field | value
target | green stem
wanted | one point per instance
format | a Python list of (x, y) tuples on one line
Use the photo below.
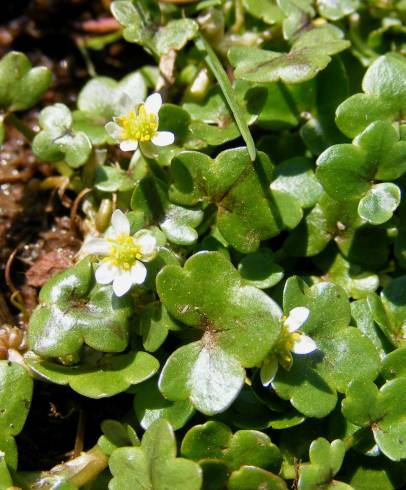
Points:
[(20, 126), (221, 76), (239, 16), (80, 470)]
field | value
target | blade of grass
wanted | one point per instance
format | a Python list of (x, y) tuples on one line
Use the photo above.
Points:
[(221, 76)]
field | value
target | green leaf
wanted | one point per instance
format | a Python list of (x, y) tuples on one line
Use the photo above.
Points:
[(154, 464), (175, 35), (245, 447), (384, 96), (139, 29), (209, 295), (74, 311), (115, 435), (177, 222), (378, 473), (266, 10), (150, 405), (329, 220), (364, 320), (207, 440), (260, 270), (5, 477), (382, 411), (57, 141), (394, 364), (377, 153), (154, 325), (298, 14), (247, 212), (106, 376), (379, 203), (336, 9), (252, 478), (296, 177), (21, 86), (325, 461), (128, 16), (358, 283), (389, 310), (310, 53), (16, 387), (113, 179)]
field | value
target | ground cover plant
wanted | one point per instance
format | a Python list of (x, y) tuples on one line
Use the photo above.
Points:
[(203, 245)]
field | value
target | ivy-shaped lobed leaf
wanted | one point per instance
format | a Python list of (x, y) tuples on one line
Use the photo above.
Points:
[(21, 86), (311, 52), (58, 141), (348, 172), (104, 376), (154, 463), (209, 295), (73, 311), (384, 96), (247, 210), (172, 36), (381, 411), (325, 462), (215, 440)]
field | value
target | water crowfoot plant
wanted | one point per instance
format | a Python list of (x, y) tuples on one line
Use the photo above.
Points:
[(203, 240)]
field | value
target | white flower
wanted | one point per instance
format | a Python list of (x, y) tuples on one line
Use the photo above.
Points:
[(138, 126), (123, 254), (290, 340)]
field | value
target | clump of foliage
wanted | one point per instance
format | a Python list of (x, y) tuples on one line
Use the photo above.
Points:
[(242, 273)]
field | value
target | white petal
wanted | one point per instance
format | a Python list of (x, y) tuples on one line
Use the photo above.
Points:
[(114, 130), (106, 272), (97, 246), (268, 371), (304, 345), (149, 149), (296, 318), (120, 223), (146, 241), (129, 145), (138, 273), (163, 138), (153, 103), (122, 283)]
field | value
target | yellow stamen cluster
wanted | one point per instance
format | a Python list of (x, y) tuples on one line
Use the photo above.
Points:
[(123, 253), (141, 127), (285, 345)]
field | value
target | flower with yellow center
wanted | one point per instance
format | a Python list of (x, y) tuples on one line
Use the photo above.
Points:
[(123, 253), (138, 127), (290, 340)]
